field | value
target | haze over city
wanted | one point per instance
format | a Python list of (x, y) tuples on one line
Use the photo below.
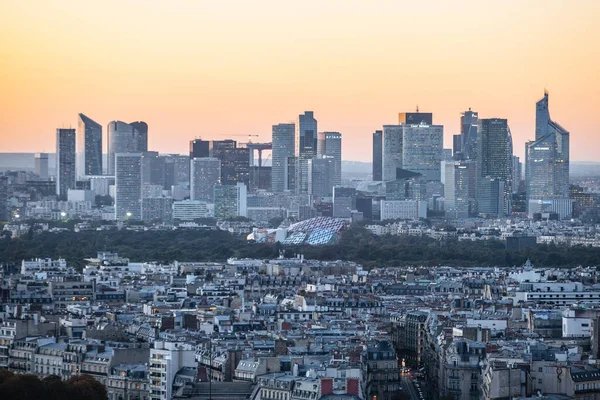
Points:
[(215, 69)]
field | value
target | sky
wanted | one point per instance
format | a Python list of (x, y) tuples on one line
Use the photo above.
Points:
[(226, 69)]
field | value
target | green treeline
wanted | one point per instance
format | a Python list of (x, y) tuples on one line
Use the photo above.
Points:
[(30, 387), (356, 244)]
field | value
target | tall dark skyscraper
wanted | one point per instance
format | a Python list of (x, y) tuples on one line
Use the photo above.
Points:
[(468, 134), (125, 138), (547, 159), (65, 161), (494, 161), (142, 128), (306, 148), (199, 148), (89, 147), (282, 140), (235, 161), (377, 155)]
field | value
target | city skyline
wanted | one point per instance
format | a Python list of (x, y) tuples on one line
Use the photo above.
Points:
[(348, 73)]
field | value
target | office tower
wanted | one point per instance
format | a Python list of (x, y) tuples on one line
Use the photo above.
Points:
[(41, 165), (457, 153), (282, 142), (469, 122), (493, 151), (153, 169), (344, 201), (128, 186), (321, 176), (491, 198), (306, 148), (235, 161), (459, 179), (142, 138), (415, 118), (260, 178), (377, 155), (547, 159), (231, 201), (125, 138), (422, 148), (157, 209), (89, 147), (291, 165), (65, 161), (517, 173), (330, 144), (199, 148), (205, 173), (391, 155), (4, 214)]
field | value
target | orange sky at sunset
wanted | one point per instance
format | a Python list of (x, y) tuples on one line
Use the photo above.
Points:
[(213, 68)]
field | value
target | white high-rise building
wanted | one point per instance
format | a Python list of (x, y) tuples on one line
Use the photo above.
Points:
[(128, 186), (205, 173)]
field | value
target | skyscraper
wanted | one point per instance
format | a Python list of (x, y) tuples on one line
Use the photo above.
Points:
[(377, 155), (65, 161), (89, 147), (128, 186), (41, 165), (231, 201), (547, 159), (391, 154), (494, 151), (142, 129), (321, 176), (468, 134), (330, 144), (125, 138), (205, 174), (4, 198), (306, 148), (459, 179), (153, 169), (235, 161), (199, 148), (422, 149), (282, 147)]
